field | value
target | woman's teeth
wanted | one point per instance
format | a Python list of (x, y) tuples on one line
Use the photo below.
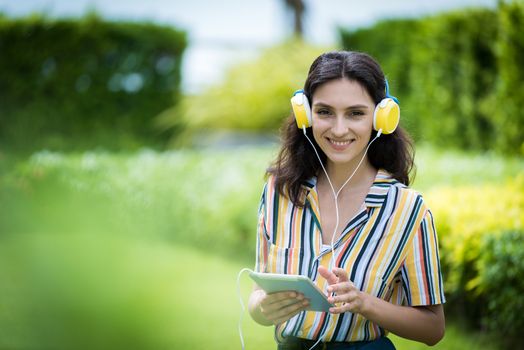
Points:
[(340, 143)]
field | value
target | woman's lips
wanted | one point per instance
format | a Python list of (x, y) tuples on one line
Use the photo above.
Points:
[(339, 145)]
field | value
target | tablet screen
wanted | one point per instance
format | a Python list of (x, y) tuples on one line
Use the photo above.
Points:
[(271, 283)]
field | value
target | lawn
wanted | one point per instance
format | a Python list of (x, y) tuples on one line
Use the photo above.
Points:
[(141, 251), (94, 291)]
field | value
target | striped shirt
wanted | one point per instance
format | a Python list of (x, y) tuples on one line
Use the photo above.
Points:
[(389, 249)]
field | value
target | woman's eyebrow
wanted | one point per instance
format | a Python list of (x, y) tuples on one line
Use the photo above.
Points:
[(358, 106)]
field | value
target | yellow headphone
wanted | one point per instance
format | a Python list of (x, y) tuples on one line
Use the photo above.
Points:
[(385, 117)]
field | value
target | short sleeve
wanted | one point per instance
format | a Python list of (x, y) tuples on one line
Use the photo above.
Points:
[(421, 273), (262, 237)]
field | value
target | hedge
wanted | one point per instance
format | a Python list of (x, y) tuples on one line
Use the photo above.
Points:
[(85, 83), (254, 96), (481, 235), (506, 107), (502, 268), (458, 75)]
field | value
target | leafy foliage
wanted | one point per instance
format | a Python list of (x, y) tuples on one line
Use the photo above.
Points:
[(457, 74), (187, 196), (481, 231), (506, 103), (85, 83), (501, 267), (254, 95)]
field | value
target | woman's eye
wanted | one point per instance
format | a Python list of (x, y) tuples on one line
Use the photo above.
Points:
[(356, 113), (323, 112)]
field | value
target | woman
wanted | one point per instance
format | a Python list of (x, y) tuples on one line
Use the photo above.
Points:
[(354, 228)]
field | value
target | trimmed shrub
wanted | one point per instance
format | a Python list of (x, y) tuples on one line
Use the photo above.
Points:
[(254, 96), (390, 42), (505, 106), (458, 75), (481, 231), (85, 83), (501, 282), (453, 69)]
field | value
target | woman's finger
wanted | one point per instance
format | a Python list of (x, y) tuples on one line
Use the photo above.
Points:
[(340, 309), (279, 297), (272, 307), (290, 311), (341, 288), (343, 298), (341, 274), (285, 311), (330, 277)]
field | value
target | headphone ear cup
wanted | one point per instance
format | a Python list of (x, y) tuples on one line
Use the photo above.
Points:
[(301, 110), (386, 116)]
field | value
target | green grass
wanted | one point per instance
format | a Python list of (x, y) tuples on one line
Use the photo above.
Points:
[(94, 291), (95, 247), (457, 337), (168, 193), (435, 168)]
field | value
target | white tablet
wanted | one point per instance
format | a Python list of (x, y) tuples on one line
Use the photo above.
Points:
[(271, 282)]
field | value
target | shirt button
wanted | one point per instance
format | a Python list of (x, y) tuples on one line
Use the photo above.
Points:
[(300, 333)]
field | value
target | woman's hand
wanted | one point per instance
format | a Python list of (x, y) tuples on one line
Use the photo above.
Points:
[(348, 297), (279, 307), (421, 323)]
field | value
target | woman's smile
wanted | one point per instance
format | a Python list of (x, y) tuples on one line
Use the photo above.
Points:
[(342, 120), (340, 145)]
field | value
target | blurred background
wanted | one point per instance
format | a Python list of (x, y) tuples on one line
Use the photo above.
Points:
[(134, 137)]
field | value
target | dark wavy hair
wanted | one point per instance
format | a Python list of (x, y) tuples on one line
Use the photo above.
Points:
[(296, 161)]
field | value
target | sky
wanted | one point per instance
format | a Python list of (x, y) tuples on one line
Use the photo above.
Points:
[(222, 33)]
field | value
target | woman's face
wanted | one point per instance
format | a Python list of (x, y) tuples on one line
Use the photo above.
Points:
[(342, 120)]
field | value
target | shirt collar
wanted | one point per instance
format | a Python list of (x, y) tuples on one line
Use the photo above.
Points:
[(375, 197)]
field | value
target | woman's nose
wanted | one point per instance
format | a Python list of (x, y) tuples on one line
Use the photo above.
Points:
[(339, 127)]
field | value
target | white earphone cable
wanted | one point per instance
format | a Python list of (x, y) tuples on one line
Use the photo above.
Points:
[(243, 308), (335, 196), (332, 262)]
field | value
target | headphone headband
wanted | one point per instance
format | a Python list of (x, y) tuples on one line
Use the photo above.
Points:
[(387, 92), (386, 115)]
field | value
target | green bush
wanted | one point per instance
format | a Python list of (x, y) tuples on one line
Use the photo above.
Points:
[(70, 83), (390, 42), (480, 232), (505, 106), (254, 95), (501, 267), (190, 197), (453, 70), (457, 74)]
